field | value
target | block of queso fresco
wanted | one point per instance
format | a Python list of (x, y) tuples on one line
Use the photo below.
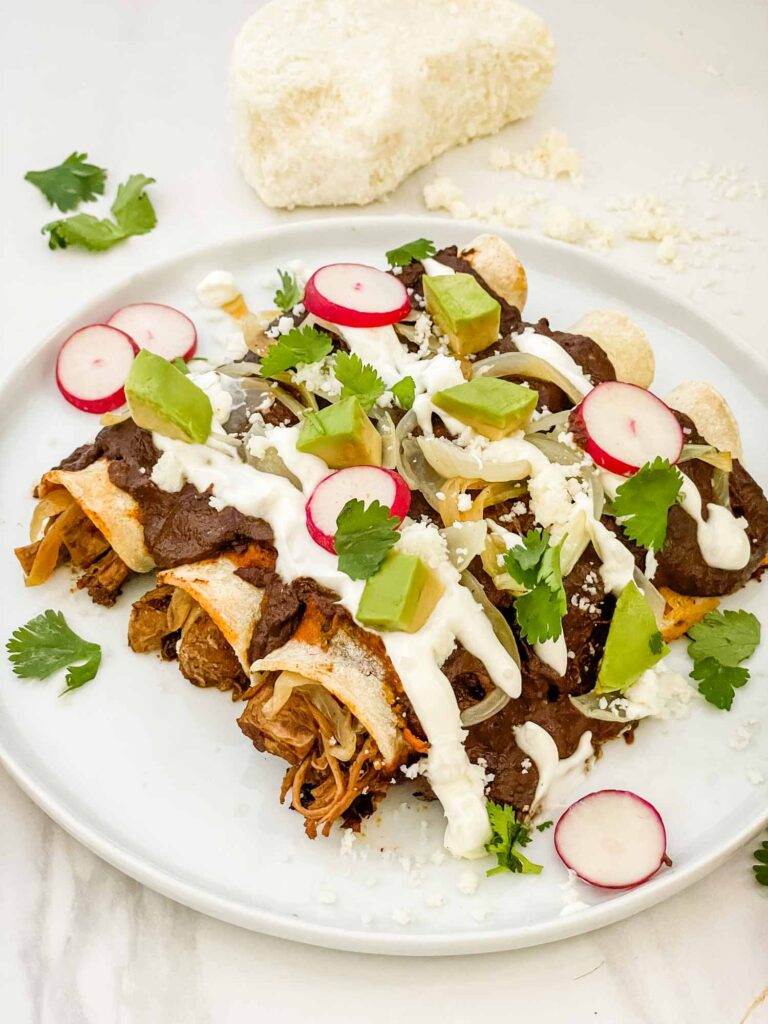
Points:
[(337, 101)]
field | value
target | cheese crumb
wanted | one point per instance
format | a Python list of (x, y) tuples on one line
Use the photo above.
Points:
[(402, 916), (468, 882), (565, 225), (443, 194), (552, 157)]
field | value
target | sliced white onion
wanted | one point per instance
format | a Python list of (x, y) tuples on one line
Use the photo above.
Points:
[(465, 542), (496, 699), (449, 460), (613, 709), (555, 451), (707, 453), (546, 423), (651, 594), (386, 428), (521, 364)]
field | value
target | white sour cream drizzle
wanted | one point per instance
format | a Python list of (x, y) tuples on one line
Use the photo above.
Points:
[(556, 776), (722, 537), (534, 344), (416, 656)]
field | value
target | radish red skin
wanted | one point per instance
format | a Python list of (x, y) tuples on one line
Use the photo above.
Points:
[(611, 462), (108, 403), (399, 505), (121, 319), (620, 793), (316, 303)]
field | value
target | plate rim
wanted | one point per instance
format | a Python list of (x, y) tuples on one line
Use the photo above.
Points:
[(141, 867)]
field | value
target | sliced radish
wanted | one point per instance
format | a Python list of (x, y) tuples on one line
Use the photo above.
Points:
[(368, 483), (162, 329), (92, 366), (614, 839), (354, 295), (627, 426)]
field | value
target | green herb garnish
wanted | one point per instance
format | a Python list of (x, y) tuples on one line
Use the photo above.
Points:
[(761, 868), (73, 182), (299, 345), (290, 293), (404, 392), (358, 379), (416, 250), (508, 833), (133, 215), (364, 536), (46, 644), (644, 500), (536, 565), (719, 643)]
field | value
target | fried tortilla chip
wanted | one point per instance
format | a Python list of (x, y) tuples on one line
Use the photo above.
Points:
[(112, 511), (681, 612)]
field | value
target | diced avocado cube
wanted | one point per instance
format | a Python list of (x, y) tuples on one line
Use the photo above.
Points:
[(401, 596), (463, 310), (491, 406), (341, 435), (634, 643), (163, 399)]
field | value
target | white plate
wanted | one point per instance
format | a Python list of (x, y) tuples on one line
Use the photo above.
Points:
[(155, 776)]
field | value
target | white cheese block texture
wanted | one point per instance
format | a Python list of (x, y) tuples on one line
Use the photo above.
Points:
[(336, 101)]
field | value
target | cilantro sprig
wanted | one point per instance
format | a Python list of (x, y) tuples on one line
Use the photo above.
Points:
[(419, 249), (70, 183), (508, 833), (761, 868), (358, 379), (536, 565), (719, 643), (46, 644), (404, 392), (364, 535), (299, 345), (132, 211), (290, 293), (644, 500)]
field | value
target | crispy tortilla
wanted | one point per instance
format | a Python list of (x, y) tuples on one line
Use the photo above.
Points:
[(112, 511), (351, 670), (681, 612), (623, 341), (711, 414), (233, 604)]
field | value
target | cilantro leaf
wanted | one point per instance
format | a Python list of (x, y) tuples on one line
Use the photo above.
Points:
[(290, 293), (656, 643), (544, 826), (644, 501), (358, 379), (364, 535), (299, 345), (728, 637), (85, 231), (46, 644), (133, 213), (416, 250), (132, 208), (718, 682), (70, 183), (508, 832), (539, 613), (536, 565), (761, 868), (523, 561), (404, 392)]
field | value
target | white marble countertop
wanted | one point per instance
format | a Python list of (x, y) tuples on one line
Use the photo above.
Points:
[(646, 93)]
